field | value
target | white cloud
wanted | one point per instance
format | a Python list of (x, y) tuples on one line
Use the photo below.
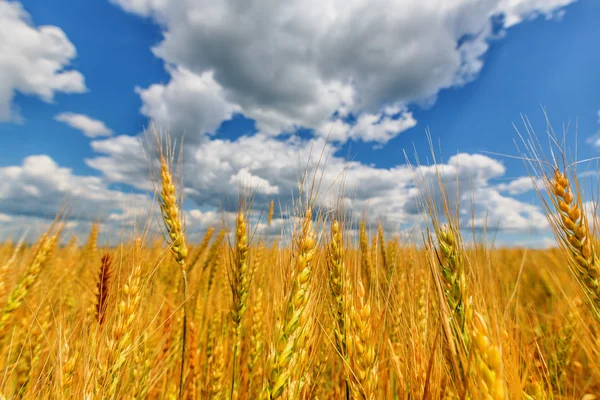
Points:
[(199, 221), (32, 60), (189, 104), (506, 213), (521, 185), (516, 11), (215, 170), (298, 63), (378, 128), (591, 211), (41, 188), (38, 189), (126, 160), (111, 232), (244, 179), (34, 193), (90, 127)]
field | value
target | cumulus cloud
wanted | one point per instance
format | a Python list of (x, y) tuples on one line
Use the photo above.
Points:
[(124, 160), (494, 211), (90, 127), (37, 190), (190, 104), (34, 193), (244, 178), (33, 60), (378, 128), (216, 170), (521, 185), (30, 228), (299, 63), (39, 187)]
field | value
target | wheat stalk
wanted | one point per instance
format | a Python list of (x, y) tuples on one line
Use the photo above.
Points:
[(172, 219)]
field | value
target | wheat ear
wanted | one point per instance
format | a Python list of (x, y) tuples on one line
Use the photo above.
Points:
[(365, 254), (292, 336), (102, 288), (362, 348), (201, 249), (572, 229), (338, 283), (121, 341), (174, 226), (271, 212), (239, 283), (488, 363), (449, 270), (42, 256)]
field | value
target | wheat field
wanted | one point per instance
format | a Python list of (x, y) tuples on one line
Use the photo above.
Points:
[(338, 308)]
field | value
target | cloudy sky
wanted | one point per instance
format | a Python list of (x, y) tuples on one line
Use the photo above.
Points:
[(258, 89)]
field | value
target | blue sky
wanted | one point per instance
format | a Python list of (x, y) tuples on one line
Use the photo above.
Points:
[(253, 88)]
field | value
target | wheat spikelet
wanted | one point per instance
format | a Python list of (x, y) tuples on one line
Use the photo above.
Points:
[(292, 336), (558, 362), (239, 273), (271, 212), (102, 288), (239, 284), (23, 363), (201, 249), (191, 384), (217, 372), (337, 283), (256, 339), (215, 359), (91, 246), (213, 252), (141, 369), (170, 214), (211, 338), (6, 267), (488, 363), (422, 311), (449, 269), (121, 341), (42, 256), (571, 227), (68, 359), (366, 264), (172, 219), (452, 273), (362, 349), (259, 260), (256, 334), (382, 249)]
